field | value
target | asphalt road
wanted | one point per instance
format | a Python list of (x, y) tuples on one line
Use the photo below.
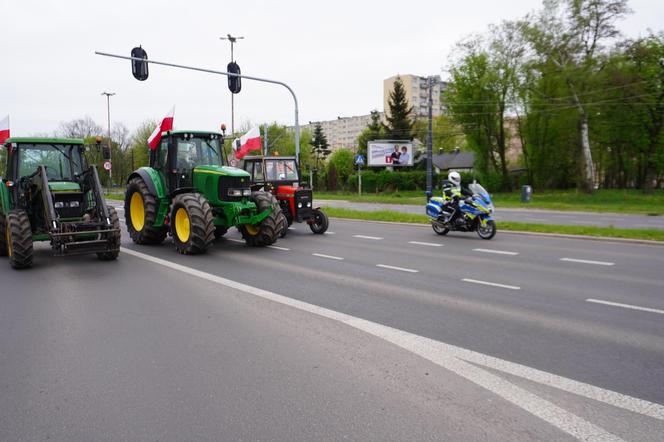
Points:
[(371, 332), (533, 216)]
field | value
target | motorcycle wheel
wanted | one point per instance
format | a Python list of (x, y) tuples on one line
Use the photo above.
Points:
[(439, 229), (486, 231)]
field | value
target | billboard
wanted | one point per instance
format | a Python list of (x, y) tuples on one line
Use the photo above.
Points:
[(389, 153)]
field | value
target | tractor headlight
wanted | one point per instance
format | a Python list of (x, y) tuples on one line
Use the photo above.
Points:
[(299, 205), (234, 192), (59, 204), (73, 204), (246, 192), (308, 203)]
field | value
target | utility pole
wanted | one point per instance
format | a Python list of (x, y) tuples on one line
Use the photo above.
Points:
[(108, 113), (232, 40), (430, 142)]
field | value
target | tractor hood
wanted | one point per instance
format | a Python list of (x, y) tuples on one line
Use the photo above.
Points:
[(221, 170), (64, 186)]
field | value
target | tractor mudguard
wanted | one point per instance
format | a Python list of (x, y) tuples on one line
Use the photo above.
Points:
[(155, 184)]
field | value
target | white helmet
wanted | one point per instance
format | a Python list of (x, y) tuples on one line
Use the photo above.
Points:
[(454, 178)]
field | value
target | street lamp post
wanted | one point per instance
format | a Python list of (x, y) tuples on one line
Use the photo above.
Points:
[(232, 40), (108, 114)]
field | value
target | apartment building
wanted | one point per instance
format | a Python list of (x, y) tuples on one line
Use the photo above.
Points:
[(417, 94), (342, 132)]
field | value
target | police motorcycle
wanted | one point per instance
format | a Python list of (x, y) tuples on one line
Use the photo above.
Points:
[(473, 213)]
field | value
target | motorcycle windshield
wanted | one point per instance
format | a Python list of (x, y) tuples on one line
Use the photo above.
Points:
[(480, 191)]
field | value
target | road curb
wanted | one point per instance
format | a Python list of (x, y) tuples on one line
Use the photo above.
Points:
[(520, 232)]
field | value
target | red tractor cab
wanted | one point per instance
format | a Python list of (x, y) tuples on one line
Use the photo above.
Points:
[(281, 176)]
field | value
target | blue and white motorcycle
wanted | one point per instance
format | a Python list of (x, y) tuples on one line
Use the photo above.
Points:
[(474, 213)]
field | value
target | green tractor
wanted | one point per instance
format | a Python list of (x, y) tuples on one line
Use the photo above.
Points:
[(189, 193), (48, 193)]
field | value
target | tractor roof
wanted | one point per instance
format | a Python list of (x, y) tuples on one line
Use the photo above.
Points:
[(39, 140), (195, 132)]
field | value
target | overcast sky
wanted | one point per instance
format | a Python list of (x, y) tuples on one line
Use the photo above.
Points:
[(334, 54)]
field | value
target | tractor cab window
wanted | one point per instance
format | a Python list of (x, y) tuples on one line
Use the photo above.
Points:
[(258, 171), (281, 170), (198, 151), (61, 161)]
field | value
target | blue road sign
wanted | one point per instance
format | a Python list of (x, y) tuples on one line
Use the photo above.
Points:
[(359, 160)]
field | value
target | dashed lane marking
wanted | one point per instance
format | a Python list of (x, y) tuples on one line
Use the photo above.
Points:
[(376, 238), (429, 244), (235, 240), (628, 306), (497, 252), (400, 269), (465, 363), (492, 284), (587, 261), (286, 249), (320, 255)]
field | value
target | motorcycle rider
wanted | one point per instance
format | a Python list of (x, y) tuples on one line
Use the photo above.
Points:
[(455, 193)]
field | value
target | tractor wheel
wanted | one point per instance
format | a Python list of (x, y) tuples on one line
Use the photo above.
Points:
[(285, 223), (114, 240), (219, 231), (192, 223), (3, 235), (140, 209), (267, 231), (320, 222), (18, 234)]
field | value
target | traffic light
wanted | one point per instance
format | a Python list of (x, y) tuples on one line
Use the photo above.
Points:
[(139, 67), (106, 151), (234, 83)]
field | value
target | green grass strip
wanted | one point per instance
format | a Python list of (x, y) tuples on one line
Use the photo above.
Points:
[(607, 232)]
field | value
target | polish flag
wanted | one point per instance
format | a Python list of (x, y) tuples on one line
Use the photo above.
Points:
[(166, 124), (4, 130), (247, 142)]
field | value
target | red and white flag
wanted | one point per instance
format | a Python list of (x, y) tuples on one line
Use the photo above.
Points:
[(247, 142), (166, 124), (4, 130)]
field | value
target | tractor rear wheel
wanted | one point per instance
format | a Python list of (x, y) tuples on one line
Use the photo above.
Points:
[(320, 222), (140, 209), (3, 235), (18, 234), (114, 240), (267, 231), (192, 223)]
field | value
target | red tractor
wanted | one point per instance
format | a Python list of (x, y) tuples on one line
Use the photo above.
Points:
[(280, 175)]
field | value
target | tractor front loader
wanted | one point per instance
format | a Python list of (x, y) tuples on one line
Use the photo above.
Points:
[(49, 194)]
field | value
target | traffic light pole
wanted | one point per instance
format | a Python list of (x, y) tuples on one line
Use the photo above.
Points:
[(430, 143), (227, 74)]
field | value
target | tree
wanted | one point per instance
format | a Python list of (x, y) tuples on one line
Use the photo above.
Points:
[(342, 163), (319, 145), (79, 128), (374, 131), (571, 34), (138, 148), (399, 121)]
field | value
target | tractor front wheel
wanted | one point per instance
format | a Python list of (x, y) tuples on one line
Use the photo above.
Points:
[(18, 234), (114, 239), (267, 231), (320, 222), (140, 209), (192, 223), (3, 236)]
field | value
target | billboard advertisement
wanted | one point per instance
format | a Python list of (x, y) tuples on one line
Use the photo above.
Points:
[(389, 153)]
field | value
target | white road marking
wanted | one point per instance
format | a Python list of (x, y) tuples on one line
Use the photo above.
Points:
[(401, 269), (292, 228), (493, 284), (497, 252), (286, 249), (377, 238), (629, 306), (587, 261), (320, 255), (430, 244), (235, 240), (329, 233), (461, 361)]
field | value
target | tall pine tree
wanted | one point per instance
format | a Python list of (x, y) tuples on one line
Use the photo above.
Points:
[(319, 143), (399, 123)]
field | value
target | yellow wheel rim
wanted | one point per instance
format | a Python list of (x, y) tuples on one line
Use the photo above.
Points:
[(182, 226), (137, 211), (9, 242), (252, 230)]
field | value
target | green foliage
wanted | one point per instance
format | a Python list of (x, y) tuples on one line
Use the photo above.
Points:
[(374, 131), (385, 181), (399, 118), (342, 162)]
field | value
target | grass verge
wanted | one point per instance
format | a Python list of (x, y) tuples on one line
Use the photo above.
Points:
[(606, 232)]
